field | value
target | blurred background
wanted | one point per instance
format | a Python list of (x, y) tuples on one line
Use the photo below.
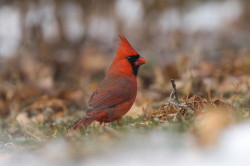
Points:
[(63, 28), (53, 54)]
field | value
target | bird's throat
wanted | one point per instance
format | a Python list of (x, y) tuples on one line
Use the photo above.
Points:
[(135, 69), (132, 61)]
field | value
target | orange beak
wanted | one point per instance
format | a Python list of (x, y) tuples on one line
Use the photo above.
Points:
[(140, 61)]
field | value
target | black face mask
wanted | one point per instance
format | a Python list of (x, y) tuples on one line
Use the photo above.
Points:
[(132, 59)]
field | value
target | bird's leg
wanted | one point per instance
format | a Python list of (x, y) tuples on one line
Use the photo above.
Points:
[(100, 123), (119, 121), (101, 126)]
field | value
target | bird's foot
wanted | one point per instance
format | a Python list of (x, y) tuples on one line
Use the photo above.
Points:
[(119, 122)]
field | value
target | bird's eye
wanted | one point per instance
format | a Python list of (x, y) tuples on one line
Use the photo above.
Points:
[(132, 57)]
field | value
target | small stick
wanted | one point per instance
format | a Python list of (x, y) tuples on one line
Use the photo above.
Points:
[(175, 94), (175, 91)]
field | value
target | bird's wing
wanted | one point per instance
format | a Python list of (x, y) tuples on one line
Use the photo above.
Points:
[(112, 91)]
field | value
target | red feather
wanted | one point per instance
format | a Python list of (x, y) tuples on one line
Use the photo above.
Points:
[(112, 91), (124, 49), (116, 93)]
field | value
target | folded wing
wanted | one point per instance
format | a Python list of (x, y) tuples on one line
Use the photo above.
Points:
[(112, 91)]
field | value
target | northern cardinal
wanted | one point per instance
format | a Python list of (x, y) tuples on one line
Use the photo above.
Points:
[(117, 92)]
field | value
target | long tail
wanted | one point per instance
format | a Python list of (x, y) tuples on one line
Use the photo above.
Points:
[(83, 122)]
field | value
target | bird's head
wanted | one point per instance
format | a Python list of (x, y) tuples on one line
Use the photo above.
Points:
[(127, 59)]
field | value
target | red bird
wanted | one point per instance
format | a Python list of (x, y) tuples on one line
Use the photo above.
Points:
[(116, 93)]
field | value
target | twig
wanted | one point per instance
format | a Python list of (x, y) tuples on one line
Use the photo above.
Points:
[(175, 91), (174, 94)]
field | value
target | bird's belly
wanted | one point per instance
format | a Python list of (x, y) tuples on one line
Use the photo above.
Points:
[(116, 112)]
